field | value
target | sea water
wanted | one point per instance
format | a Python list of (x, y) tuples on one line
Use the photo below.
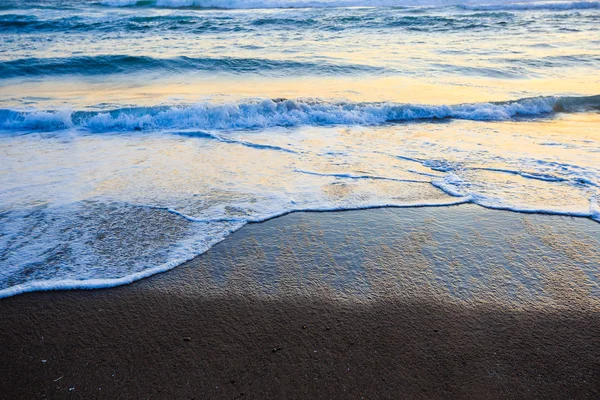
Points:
[(134, 135)]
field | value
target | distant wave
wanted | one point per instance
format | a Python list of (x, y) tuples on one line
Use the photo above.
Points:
[(246, 4), (270, 4), (195, 24), (459, 19), (115, 64), (201, 23), (548, 5), (51, 23), (285, 113)]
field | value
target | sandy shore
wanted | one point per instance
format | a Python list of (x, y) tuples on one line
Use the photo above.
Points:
[(457, 302)]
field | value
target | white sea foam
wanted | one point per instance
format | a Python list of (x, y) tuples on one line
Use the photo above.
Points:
[(186, 250), (119, 3), (354, 176), (595, 207), (456, 186), (288, 113), (192, 247), (547, 5), (248, 4), (44, 120)]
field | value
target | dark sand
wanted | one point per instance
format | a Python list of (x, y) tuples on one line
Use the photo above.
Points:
[(458, 302)]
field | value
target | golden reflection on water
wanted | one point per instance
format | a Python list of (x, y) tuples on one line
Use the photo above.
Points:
[(434, 90), (202, 173)]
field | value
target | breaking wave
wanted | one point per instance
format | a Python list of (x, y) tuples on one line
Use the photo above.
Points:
[(549, 6), (255, 114), (248, 4)]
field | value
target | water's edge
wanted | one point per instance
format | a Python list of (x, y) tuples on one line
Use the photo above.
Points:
[(92, 284)]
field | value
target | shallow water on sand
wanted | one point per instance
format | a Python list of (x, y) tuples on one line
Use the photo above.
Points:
[(136, 135), (462, 255)]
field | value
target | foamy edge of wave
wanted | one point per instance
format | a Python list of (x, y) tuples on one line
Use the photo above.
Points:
[(262, 4), (90, 284), (267, 113), (536, 6), (71, 284)]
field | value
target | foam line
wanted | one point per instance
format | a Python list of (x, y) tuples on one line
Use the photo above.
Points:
[(352, 176), (539, 177), (467, 4), (254, 114), (70, 284), (223, 139), (536, 6)]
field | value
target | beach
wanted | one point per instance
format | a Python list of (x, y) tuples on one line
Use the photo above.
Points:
[(299, 199), (318, 305)]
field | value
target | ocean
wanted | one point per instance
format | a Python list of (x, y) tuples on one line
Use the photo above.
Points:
[(135, 135)]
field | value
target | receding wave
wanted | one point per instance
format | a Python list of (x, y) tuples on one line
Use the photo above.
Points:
[(255, 114), (122, 64)]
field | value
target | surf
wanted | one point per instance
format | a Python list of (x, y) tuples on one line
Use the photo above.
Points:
[(265, 113), (259, 4)]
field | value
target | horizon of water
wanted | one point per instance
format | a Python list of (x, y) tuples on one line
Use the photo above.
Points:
[(137, 134)]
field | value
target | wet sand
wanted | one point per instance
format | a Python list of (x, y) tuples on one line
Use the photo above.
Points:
[(457, 302)]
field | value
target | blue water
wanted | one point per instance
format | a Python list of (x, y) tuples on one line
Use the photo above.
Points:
[(137, 134)]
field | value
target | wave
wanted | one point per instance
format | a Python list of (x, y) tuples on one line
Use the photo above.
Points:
[(270, 4), (30, 23), (119, 64), (253, 114), (203, 24), (249, 4), (536, 6)]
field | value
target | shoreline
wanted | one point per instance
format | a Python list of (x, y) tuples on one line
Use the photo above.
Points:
[(108, 283), (459, 302)]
